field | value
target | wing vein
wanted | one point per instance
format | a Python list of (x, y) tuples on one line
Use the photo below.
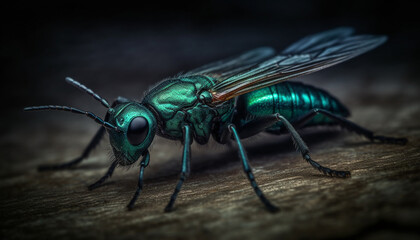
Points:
[(306, 56)]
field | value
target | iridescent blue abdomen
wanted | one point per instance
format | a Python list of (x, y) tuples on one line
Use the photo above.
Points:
[(290, 99)]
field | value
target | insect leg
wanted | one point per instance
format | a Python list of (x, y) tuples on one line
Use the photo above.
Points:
[(105, 177), (304, 150), (256, 126), (349, 126), (186, 156), (248, 171), (93, 143), (143, 164), (267, 121)]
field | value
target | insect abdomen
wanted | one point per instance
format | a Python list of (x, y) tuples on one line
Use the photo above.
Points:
[(290, 99)]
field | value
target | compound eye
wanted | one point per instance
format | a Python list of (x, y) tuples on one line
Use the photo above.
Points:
[(137, 130)]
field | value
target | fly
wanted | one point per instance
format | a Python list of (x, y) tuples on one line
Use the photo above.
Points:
[(230, 100)]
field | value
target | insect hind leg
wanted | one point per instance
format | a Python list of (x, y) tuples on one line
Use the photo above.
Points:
[(267, 121), (343, 122)]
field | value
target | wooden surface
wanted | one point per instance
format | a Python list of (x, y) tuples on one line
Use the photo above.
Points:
[(380, 201)]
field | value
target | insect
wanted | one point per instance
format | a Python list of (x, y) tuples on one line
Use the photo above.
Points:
[(230, 100)]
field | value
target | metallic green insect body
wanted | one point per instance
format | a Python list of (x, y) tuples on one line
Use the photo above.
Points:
[(230, 100), (176, 102), (292, 100)]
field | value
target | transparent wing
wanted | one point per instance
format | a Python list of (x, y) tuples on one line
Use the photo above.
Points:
[(320, 40), (308, 55), (231, 66)]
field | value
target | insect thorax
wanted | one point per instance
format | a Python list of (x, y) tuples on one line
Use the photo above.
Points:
[(176, 102)]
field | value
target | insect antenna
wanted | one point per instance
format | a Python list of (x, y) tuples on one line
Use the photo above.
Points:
[(88, 91), (91, 115)]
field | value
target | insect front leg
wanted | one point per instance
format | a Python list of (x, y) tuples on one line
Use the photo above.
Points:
[(265, 122), (93, 143), (186, 156), (248, 170), (105, 177), (349, 126), (143, 164)]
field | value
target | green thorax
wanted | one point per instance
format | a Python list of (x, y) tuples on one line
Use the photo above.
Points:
[(175, 102)]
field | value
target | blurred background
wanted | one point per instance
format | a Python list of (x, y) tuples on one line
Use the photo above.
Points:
[(122, 50), (115, 45)]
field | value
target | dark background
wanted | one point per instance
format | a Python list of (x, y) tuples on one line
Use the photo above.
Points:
[(122, 43), (123, 49)]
